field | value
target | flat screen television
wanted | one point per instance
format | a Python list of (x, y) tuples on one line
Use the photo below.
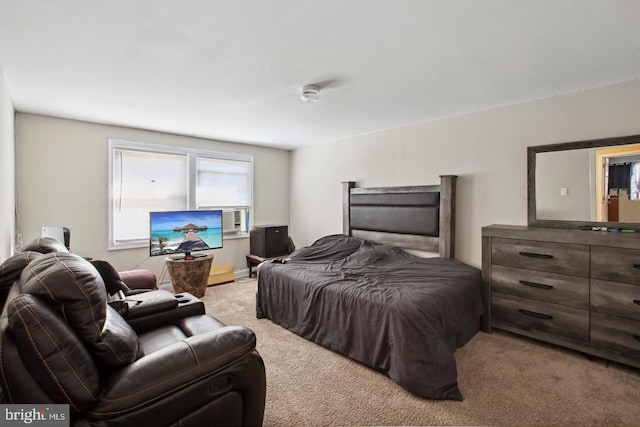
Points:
[(179, 233)]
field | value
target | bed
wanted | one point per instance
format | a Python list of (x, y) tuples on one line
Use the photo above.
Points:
[(361, 294)]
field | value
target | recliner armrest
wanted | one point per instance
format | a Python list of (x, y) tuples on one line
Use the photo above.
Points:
[(146, 303), (187, 305), (159, 374)]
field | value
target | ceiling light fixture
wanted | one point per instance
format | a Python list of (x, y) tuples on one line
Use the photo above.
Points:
[(310, 93)]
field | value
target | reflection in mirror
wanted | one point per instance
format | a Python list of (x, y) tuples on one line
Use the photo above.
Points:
[(585, 182), (563, 186), (618, 182)]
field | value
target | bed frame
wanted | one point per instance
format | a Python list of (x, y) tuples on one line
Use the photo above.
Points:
[(306, 299), (416, 217)]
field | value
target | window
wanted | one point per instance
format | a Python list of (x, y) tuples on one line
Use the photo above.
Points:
[(222, 182), (146, 178)]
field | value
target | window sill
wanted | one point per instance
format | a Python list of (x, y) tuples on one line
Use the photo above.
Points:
[(235, 236)]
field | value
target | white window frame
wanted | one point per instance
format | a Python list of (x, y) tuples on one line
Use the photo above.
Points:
[(192, 155)]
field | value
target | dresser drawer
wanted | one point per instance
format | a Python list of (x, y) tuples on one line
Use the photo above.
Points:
[(622, 299), (619, 265), (562, 258), (572, 291), (531, 315), (618, 333)]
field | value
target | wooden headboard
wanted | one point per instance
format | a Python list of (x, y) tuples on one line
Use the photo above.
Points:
[(416, 217)]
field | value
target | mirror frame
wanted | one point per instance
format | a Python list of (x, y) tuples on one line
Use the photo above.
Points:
[(531, 181)]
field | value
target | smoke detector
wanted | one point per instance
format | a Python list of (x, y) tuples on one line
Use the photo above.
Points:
[(310, 93)]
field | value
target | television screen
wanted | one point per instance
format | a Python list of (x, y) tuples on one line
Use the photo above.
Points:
[(183, 232)]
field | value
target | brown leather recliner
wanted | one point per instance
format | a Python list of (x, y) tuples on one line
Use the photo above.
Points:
[(60, 342)]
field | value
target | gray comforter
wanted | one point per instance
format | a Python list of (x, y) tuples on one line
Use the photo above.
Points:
[(392, 311)]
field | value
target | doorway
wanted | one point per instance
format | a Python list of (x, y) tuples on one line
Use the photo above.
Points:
[(614, 205)]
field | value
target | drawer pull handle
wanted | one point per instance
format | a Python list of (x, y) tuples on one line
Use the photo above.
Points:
[(636, 266), (534, 314), (636, 337), (540, 285), (636, 301), (535, 255)]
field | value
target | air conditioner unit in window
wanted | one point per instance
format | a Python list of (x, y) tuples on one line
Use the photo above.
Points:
[(231, 221)]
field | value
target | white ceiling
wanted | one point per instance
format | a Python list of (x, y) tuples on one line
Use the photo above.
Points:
[(232, 70)]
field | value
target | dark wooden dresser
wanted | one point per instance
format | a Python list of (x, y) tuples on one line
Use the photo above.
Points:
[(578, 289)]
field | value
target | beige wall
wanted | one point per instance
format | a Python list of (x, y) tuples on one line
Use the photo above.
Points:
[(63, 172), (7, 173), (487, 150)]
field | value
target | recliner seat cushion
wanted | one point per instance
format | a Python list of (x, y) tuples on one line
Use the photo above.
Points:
[(72, 285), (52, 352), (162, 337)]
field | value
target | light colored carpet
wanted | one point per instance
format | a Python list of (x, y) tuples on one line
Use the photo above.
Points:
[(506, 380)]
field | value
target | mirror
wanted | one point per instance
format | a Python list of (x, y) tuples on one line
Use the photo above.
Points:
[(585, 183)]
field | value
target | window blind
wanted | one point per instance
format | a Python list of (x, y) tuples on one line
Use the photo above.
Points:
[(145, 182), (223, 183)]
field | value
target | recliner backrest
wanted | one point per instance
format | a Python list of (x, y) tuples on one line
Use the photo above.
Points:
[(52, 353), (75, 289), (45, 245), (11, 269)]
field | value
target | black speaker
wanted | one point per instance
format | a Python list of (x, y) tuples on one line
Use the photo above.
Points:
[(269, 241)]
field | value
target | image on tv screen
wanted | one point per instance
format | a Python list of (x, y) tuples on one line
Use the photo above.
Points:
[(184, 231)]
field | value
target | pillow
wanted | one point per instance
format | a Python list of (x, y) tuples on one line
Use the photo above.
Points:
[(421, 253)]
